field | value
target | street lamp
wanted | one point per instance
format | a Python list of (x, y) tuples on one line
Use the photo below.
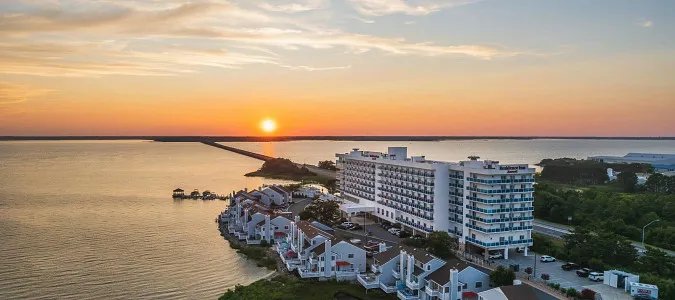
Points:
[(643, 232)]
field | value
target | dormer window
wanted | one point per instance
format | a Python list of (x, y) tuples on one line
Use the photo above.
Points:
[(428, 267)]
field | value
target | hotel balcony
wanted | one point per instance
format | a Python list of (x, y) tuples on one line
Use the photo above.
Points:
[(504, 229), (504, 191), (406, 295), (369, 281)]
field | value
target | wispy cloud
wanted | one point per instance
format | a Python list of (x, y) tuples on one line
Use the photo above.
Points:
[(364, 20), (293, 7), (414, 7), (15, 93), (645, 24), (311, 69), (166, 38)]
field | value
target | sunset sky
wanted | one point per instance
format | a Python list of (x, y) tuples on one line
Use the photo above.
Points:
[(338, 67)]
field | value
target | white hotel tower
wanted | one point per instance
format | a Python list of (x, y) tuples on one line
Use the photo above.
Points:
[(485, 204)]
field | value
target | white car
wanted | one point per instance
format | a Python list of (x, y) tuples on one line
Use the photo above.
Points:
[(347, 224), (394, 231), (355, 241), (497, 255), (596, 276), (546, 258)]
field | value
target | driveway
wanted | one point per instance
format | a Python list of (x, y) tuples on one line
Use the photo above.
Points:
[(299, 205), (566, 279)]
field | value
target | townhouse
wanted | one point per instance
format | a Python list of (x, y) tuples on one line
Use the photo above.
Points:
[(518, 291), (485, 204), (273, 195), (249, 219), (414, 274), (315, 253)]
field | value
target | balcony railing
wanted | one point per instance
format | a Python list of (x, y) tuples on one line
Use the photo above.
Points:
[(503, 229), (499, 220), (499, 210), (369, 281), (497, 244), (500, 191), (418, 226), (500, 181), (494, 201)]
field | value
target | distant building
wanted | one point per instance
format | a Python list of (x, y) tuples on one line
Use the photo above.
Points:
[(487, 205), (660, 162)]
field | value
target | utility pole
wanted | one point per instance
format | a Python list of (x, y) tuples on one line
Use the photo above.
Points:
[(535, 266), (643, 232)]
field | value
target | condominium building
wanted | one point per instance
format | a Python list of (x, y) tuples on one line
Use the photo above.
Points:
[(487, 205), (315, 253), (414, 274)]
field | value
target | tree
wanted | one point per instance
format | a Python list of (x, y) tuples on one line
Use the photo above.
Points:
[(502, 276), (658, 262), (628, 181), (323, 211), (439, 244), (328, 165)]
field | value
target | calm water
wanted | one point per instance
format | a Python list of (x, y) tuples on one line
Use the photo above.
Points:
[(95, 220), (505, 151)]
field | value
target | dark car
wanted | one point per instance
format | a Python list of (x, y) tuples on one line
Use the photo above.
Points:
[(584, 272), (355, 227), (570, 266)]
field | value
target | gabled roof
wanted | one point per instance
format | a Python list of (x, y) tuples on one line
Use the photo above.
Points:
[(389, 254), (311, 231), (279, 189), (520, 292), (260, 223), (442, 275), (320, 249)]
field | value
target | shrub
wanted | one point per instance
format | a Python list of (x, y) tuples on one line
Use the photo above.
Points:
[(563, 290), (556, 286), (588, 294), (545, 276), (528, 270), (596, 264), (572, 293), (264, 243)]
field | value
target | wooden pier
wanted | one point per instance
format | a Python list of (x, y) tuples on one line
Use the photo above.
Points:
[(179, 194)]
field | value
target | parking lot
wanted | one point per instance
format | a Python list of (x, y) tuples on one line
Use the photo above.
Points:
[(566, 279)]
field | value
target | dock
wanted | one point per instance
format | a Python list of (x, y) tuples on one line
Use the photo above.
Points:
[(321, 172)]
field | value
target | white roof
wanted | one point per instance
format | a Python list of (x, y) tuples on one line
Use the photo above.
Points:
[(493, 294), (351, 207)]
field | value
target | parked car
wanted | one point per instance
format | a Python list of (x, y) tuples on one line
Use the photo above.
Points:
[(570, 266), (355, 241), (583, 272), (520, 249), (404, 234), (496, 255), (546, 258), (355, 227), (596, 276), (347, 224), (394, 231)]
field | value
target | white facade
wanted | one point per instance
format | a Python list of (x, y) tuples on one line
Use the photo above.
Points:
[(414, 274), (317, 254), (484, 203)]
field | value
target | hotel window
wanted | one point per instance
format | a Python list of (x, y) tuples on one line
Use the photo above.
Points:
[(447, 289), (321, 258), (465, 286), (350, 255), (459, 288), (479, 284), (286, 227), (501, 238), (321, 269)]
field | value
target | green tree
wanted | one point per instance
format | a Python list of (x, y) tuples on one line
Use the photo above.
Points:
[(628, 181), (658, 262), (328, 165), (502, 276), (439, 244), (323, 211)]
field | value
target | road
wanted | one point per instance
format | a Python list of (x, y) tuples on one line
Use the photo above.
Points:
[(321, 172), (558, 231)]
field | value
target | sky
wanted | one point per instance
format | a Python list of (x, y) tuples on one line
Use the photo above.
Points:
[(338, 67)]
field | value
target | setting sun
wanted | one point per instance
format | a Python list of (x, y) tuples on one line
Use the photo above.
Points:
[(268, 125)]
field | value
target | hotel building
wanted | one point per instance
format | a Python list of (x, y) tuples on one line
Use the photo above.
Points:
[(486, 204)]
